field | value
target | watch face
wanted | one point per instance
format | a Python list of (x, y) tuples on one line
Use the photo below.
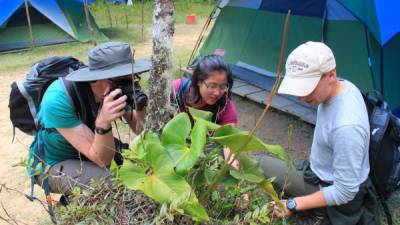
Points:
[(291, 204)]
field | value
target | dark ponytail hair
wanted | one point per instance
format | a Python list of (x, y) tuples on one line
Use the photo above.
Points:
[(202, 71)]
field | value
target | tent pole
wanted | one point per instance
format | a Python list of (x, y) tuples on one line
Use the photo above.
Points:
[(109, 17), (126, 17), (142, 17), (29, 22), (201, 35), (86, 8)]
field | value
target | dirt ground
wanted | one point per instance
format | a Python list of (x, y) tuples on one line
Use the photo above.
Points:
[(15, 183)]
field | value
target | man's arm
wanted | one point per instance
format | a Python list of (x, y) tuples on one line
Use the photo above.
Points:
[(350, 144), (98, 148), (311, 201)]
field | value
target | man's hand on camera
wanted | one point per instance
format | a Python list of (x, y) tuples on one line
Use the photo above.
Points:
[(112, 108)]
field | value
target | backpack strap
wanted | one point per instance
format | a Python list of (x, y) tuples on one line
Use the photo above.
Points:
[(82, 103), (379, 120), (71, 92), (387, 212), (38, 157), (31, 103), (184, 87)]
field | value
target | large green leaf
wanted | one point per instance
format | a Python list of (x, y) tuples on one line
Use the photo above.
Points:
[(235, 139), (190, 156), (157, 156), (176, 130), (174, 138), (165, 185), (196, 210), (210, 125), (132, 175), (138, 151), (269, 188), (162, 185), (196, 113), (249, 169)]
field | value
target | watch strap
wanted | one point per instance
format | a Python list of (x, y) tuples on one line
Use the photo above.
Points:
[(102, 131), (291, 205)]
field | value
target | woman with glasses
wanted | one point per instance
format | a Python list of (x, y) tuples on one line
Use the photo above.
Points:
[(208, 89)]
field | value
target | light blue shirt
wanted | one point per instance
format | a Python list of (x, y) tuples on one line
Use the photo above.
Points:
[(339, 152)]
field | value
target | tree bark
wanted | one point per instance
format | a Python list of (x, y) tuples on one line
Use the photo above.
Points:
[(161, 73)]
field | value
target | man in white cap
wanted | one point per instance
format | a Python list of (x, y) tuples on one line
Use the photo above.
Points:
[(336, 178)]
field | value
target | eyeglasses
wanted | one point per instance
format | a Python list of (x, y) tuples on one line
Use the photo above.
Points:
[(215, 87)]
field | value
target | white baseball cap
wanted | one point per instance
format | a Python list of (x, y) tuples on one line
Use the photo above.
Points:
[(304, 67)]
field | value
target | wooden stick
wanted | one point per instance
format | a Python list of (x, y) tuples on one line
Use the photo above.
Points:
[(231, 156), (109, 17), (86, 8), (133, 82), (126, 17), (29, 22), (201, 35), (142, 17)]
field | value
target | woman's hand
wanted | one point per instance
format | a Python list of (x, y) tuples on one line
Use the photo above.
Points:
[(111, 109), (231, 160)]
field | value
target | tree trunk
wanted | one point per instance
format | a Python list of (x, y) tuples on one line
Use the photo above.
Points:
[(161, 73)]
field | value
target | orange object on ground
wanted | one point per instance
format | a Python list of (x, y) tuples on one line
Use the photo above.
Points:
[(190, 18)]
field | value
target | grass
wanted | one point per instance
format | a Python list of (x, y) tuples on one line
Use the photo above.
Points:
[(116, 28)]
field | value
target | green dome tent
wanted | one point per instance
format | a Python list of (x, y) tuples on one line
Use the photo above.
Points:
[(53, 22), (249, 34)]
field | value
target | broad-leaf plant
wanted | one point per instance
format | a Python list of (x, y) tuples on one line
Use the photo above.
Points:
[(173, 168)]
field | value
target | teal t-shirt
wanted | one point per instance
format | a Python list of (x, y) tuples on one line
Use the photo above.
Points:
[(56, 111)]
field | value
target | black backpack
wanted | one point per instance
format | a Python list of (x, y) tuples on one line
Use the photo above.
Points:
[(26, 95), (384, 149)]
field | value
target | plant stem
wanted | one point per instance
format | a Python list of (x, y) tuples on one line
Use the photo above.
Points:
[(222, 172)]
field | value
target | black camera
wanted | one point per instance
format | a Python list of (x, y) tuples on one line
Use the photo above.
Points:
[(134, 96)]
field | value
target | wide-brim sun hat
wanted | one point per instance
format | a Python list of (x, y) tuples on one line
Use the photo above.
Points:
[(304, 68), (107, 61)]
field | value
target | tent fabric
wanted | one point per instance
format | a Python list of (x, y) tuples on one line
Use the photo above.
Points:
[(8, 7), (52, 10), (305, 7), (53, 22), (336, 11), (251, 4), (380, 16), (253, 50)]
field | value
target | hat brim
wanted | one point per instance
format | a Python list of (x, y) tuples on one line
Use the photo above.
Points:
[(85, 74), (298, 86)]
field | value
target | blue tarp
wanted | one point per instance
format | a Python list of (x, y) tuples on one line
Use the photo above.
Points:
[(8, 7)]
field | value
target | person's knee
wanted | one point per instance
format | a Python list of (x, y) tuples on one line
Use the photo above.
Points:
[(66, 175)]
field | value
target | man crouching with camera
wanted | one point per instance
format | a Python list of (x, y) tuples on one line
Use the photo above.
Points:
[(77, 148)]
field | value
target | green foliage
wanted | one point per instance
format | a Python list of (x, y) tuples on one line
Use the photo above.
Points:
[(173, 169), (154, 174), (107, 203)]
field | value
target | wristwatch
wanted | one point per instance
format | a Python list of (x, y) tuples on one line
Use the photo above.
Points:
[(291, 205), (102, 131)]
